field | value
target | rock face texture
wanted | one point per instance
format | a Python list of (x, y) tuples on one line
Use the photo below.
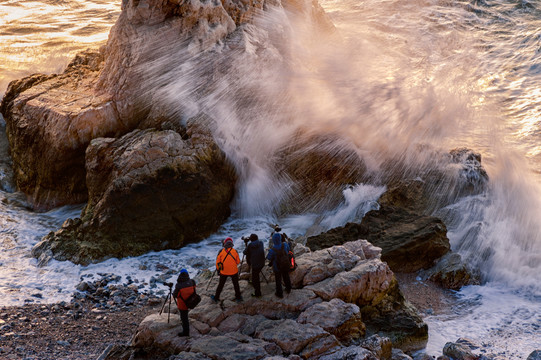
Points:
[(145, 177), (325, 319), (50, 121)]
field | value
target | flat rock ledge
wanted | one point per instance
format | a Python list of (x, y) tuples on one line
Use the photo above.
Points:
[(339, 307)]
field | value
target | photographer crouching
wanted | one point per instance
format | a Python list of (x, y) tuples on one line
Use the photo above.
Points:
[(184, 288)]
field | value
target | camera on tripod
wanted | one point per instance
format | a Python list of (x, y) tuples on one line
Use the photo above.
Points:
[(245, 239), (168, 284)]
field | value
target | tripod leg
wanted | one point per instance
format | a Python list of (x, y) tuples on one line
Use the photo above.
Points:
[(169, 312), (165, 302)]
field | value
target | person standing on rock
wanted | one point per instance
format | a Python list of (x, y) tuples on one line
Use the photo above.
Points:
[(255, 257), (183, 289), (279, 260), (226, 265)]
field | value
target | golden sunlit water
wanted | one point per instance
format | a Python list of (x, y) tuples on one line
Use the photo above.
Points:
[(43, 36)]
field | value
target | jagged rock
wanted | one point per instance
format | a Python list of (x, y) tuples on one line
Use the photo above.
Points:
[(409, 241), (318, 164), (233, 347), (50, 121), (363, 285), (341, 319), (451, 272), (535, 355), (189, 356), (146, 177), (350, 353), (459, 351), (294, 337), (398, 354), (380, 346)]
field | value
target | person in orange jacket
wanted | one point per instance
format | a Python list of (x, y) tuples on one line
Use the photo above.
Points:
[(183, 289), (226, 265)]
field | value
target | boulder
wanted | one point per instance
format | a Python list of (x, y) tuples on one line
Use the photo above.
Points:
[(50, 120), (146, 177), (398, 354), (320, 166), (409, 241), (350, 353), (459, 351), (535, 355), (380, 346), (450, 272), (341, 319), (232, 347), (363, 285), (294, 337)]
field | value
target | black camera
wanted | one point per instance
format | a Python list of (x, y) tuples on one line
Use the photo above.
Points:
[(245, 238), (168, 284)]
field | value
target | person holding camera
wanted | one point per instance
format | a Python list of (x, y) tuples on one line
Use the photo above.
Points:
[(255, 257), (226, 265), (183, 289)]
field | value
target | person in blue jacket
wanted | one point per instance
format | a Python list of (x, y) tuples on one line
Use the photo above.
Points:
[(275, 257)]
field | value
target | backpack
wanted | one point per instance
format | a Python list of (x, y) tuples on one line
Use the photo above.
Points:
[(192, 300), (220, 265), (282, 259)]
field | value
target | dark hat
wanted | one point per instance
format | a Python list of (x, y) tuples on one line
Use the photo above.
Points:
[(228, 243), (184, 275), (253, 237)]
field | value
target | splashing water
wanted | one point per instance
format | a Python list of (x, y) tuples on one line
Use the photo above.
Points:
[(395, 77)]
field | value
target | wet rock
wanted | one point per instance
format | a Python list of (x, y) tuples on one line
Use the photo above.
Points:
[(318, 164), (380, 346), (146, 177), (398, 354), (535, 355), (409, 241), (350, 353), (452, 273), (461, 351)]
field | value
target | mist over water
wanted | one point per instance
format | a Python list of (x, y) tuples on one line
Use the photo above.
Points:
[(394, 83)]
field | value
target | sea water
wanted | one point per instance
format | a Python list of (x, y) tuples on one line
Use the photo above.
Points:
[(443, 73)]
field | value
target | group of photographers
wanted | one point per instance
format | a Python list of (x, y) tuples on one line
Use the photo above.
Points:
[(227, 263)]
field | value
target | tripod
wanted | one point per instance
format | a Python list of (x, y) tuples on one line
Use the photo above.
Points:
[(168, 297)]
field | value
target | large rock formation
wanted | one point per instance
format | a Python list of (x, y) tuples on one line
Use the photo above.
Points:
[(183, 187), (353, 290), (68, 132)]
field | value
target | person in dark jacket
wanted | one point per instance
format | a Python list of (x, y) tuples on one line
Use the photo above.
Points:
[(255, 257), (184, 288), (279, 274)]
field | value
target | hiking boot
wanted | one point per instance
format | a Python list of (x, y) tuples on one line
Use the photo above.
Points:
[(279, 295), (214, 298), (181, 334)]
